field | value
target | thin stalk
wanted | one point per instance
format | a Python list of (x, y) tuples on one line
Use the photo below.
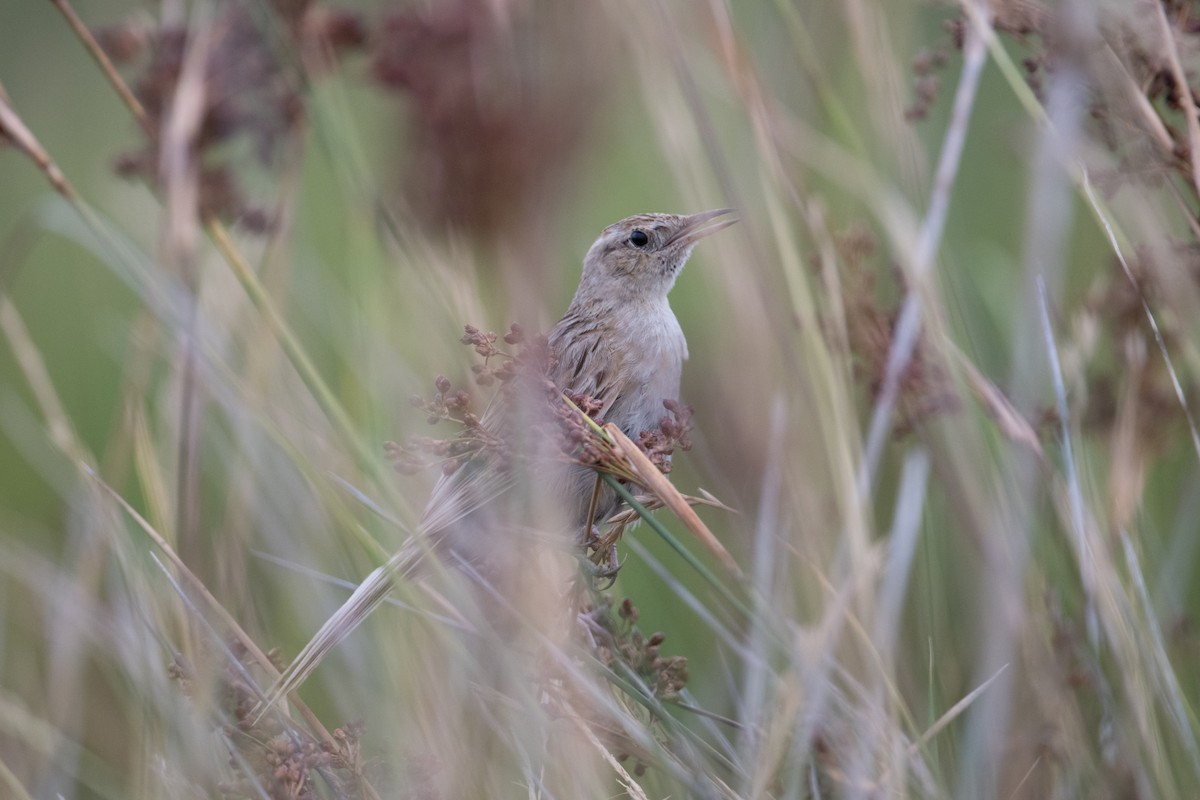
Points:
[(678, 547)]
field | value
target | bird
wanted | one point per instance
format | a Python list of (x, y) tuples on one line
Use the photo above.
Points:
[(620, 344)]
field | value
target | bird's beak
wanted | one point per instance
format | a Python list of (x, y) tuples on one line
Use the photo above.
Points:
[(696, 227)]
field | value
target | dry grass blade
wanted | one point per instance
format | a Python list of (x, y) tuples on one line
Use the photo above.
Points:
[(9, 780), (102, 60), (1114, 242), (196, 585), (376, 586), (909, 322), (1010, 421), (953, 713), (653, 503), (922, 438), (37, 375), (1189, 103), (14, 129), (649, 476), (627, 782)]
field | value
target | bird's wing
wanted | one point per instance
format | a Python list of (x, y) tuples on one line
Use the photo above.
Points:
[(586, 362)]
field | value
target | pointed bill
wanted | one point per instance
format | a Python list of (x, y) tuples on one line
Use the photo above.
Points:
[(697, 226)]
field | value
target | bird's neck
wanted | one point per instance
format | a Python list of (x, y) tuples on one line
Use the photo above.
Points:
[(589, 301)]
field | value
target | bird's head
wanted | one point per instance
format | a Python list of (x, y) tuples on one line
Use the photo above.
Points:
[(640, 256)]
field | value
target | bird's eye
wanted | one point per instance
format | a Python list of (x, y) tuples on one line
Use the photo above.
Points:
[(639, 238)]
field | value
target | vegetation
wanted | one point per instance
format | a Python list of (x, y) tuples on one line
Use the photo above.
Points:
[(942, 389)]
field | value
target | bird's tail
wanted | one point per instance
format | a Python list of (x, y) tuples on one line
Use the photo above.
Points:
[(369, 594)]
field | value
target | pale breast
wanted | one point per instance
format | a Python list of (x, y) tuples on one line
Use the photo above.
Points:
[(630, 363), (628, 360), (654, 362)]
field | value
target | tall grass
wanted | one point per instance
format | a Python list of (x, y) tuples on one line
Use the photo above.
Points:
[(942, 369)]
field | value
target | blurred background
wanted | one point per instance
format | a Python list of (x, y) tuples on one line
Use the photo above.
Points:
[(942, 372)]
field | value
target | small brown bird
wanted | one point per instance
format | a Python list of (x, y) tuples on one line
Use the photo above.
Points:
[(620, 344)]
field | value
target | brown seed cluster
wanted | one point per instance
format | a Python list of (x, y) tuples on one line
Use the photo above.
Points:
[(572, 426), (269, 756), (448, 404), (1024, 21), (620, 640), (455, 405), (1115, 340), (485, 346), (674, 431), (500, 100), (871, 312), (1109, 332), (925, 66), (1136, 50), (241, 102)]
